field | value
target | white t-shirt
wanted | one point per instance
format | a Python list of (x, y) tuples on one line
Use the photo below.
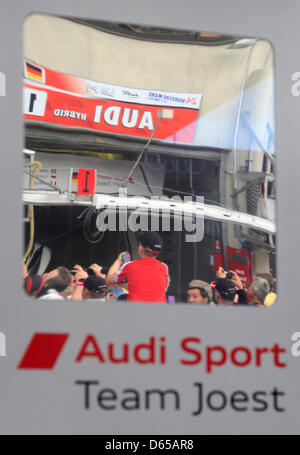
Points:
[(52, 294)]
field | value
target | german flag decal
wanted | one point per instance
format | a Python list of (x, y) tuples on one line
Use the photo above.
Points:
[(34, 72), (75, 177)]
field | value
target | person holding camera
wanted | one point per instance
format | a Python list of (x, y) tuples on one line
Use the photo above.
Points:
[(229, 288), (147, 278), (89, 284)]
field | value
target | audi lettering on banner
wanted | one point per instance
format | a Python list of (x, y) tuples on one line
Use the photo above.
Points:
[(73, 102)]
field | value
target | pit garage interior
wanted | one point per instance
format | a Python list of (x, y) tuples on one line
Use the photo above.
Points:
[(225, 155)]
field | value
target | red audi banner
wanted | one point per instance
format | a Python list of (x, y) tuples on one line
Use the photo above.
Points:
[(73, 102)]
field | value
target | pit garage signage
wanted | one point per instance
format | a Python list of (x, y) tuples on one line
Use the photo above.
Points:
[(61, 99)]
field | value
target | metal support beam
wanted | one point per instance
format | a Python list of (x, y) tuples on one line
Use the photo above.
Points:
[(143, 204)]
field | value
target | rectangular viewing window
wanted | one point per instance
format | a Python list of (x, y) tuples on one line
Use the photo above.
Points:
[(156, 143)]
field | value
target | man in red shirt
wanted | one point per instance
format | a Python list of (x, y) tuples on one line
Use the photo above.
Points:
[(147, 278)]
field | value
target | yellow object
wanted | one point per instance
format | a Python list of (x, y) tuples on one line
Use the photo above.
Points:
[(270, 299)]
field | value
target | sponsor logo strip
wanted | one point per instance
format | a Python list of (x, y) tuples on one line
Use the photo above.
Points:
[(94, 89)]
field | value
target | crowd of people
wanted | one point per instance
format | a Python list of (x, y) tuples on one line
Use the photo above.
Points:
[(230, 291), (145, 280)]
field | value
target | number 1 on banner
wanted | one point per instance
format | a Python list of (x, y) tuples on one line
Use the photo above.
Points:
[(86, 182), (34, 102)]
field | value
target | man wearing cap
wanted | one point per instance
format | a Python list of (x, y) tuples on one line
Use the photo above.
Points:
[(199, 292), (240, 297), (88, 287), (33, 285), (147, 277), (225, 292)]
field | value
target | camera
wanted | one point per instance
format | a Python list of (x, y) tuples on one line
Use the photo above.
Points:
[(90, 272), (126, 257)]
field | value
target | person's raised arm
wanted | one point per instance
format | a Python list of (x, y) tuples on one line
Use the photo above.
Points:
[(114, 268), (236, 280), (24, 270), (79, 275), (97, 269)]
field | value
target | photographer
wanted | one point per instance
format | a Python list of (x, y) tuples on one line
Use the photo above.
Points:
[(89, 284), (147, 278), (239, 297)]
